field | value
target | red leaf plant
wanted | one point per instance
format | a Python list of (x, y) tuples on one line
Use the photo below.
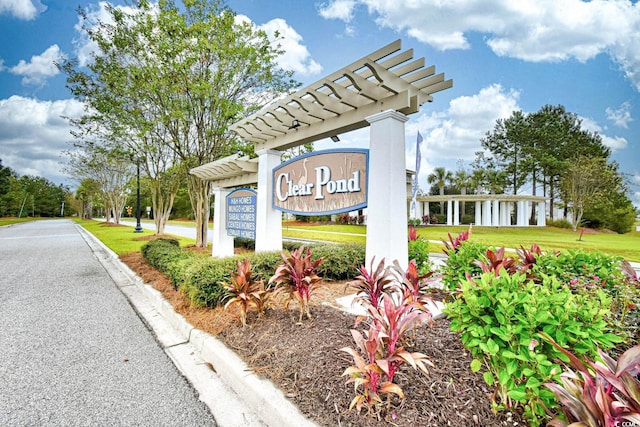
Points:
[(413, 234), (296, 277), (371, 284), (454, 244), (599, 394), (246, 293), (380, 353), (497, 261)]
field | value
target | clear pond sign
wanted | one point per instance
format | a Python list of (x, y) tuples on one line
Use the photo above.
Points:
[(322, 183)]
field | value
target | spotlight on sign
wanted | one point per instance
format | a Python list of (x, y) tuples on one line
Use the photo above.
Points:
[(294, 124), (335, 138)]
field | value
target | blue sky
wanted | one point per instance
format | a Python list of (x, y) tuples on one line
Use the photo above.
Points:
[(502, 56)]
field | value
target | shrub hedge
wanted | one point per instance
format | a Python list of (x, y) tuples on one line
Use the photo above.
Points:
[(201, 278)]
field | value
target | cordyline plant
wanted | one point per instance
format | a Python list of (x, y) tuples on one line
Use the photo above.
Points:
[(380, 353), (373, 377), (371, 284), (413, 286), (413, 234), (246, 293), (495, 261), (296, 277), (455, 243), (600, 394)]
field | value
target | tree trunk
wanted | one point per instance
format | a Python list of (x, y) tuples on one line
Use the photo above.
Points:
[(533, 205), (199, 194), (162, 205), (551, 198)]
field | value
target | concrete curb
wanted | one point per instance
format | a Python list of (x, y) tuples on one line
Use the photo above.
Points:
[(235, 396)]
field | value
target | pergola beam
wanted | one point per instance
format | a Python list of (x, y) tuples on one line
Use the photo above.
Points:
[(384, 79)]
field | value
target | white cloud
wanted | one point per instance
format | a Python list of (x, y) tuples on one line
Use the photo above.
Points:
[(22, 9), (613, 142), (455, 134), (338, 9), (33, 135), (544, 30), (620, 116), (296, 56), (40, 67)]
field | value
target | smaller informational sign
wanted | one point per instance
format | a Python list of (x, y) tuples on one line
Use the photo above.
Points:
[(241, 213)]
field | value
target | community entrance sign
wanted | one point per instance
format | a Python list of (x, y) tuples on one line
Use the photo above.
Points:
[(322, 183), (377, 91), (241, 213)]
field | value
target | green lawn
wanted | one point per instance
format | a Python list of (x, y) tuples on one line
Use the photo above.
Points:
[(9, 221), (120, 238), (548, 238)]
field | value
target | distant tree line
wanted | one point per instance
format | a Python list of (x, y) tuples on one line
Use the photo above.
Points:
[(23, 196), (547, 151)]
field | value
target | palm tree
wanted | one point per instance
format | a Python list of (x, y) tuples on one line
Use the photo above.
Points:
[(440, 176), (461, 180)]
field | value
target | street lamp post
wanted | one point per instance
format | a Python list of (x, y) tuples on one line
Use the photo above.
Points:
[(138, 228)]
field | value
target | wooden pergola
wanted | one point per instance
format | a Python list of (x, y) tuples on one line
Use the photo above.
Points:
[(378, 90)]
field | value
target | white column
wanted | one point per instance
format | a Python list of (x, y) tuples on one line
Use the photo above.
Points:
[(387, 200), (522, 215), (419, 210), (542, 214), (449, 213), (222, 244), (504, 214), (426, 208), (456, 212), (495, 219), (486, 213), (478, 213), (268, 219)]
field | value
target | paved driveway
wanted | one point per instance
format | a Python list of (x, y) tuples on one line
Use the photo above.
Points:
[(72, 350)]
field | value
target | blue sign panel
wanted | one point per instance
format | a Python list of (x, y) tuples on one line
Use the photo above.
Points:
[(241, 213)]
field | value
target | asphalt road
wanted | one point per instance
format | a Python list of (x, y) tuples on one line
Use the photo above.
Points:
[(73, 352)]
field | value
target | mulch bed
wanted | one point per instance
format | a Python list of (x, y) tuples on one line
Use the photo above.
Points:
[(305, 362)]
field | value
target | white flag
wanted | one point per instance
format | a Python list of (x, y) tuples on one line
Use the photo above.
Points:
[(414, 191)]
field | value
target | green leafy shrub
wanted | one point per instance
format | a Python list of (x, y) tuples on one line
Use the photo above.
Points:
[(263, 264), (500, 317), (585, 272), (340, 261), (461, 262), (203, 280), (419, 251), (560, 223), (166, 256)]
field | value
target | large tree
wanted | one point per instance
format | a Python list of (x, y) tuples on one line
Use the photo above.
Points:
[(507, 143), (556, 140), (177, 77), (586, 182), (537, 148), (110, 170)]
